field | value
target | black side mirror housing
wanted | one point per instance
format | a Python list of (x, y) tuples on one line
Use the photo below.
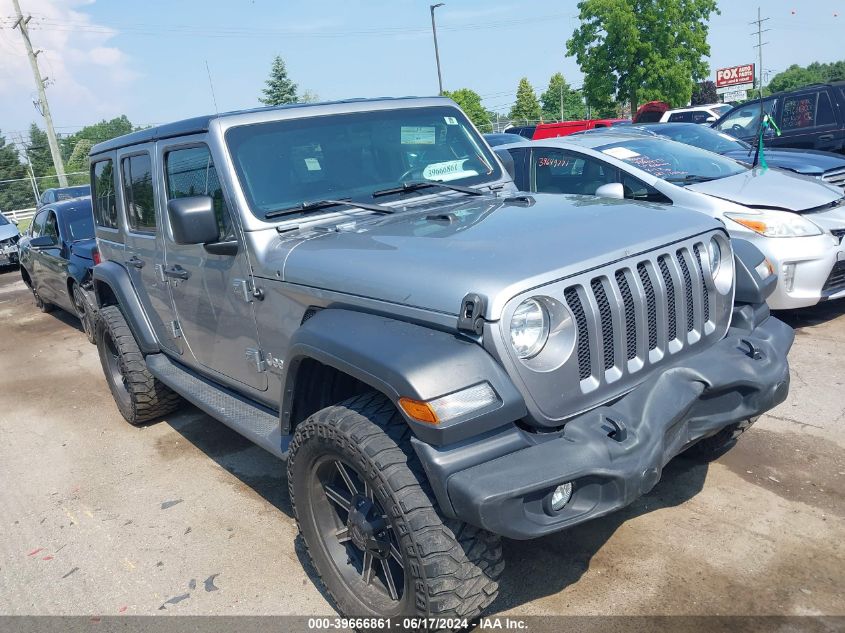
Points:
[(43, 241), (193, 220)]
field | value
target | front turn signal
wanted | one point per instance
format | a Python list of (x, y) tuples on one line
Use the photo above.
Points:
[(417, 410)]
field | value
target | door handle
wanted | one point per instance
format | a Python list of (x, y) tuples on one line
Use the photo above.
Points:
[(826, 137), (176, 271), (134, 261)]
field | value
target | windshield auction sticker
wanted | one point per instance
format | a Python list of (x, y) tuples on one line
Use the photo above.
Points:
[(622, 153), (449, 170), (417, 135)]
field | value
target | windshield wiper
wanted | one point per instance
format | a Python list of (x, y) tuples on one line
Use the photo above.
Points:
[(407, 187), (690, 178), (305, 207)]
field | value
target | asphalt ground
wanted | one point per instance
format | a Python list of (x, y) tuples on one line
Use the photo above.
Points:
[(98, 518)]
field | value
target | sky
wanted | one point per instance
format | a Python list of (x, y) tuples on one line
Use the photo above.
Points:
[(147, 58)]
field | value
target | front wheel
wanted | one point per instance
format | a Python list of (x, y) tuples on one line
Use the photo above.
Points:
[(371, 525)]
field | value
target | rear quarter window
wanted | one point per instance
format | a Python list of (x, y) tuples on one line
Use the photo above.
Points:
[(102, 195)]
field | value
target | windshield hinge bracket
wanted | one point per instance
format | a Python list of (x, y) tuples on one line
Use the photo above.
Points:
[(470, 317)]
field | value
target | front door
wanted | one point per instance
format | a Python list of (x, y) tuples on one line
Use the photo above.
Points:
[(144, 244), (210, 290)]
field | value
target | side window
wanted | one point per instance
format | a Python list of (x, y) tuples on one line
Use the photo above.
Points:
[(824, 110), (799, 111), (37, 228), (191, 172), (51, 226), (137, 179), (636, 189), (558, 171), (680, 117), (102, 197), (700, 116)]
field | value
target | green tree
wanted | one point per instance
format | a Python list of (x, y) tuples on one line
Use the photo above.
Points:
[(526, 109), (279, 89), (704, 93), (470, 103), (560, 100), (798, 76), (641, 50), (15, 189)]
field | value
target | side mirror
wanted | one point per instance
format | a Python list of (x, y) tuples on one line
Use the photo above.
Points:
[(13, 221), (611, 190), (193, 220), (42, 241), (710, 119)]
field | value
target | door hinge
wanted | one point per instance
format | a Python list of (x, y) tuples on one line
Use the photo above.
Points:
[(247, 291), (256, 358), (176, 329)]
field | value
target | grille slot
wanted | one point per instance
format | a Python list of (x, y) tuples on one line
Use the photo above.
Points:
[(687, 290), (670, 297), (630, 315), (836, 281), (606, 322), (703, 283), (574, 302), (651, 305)]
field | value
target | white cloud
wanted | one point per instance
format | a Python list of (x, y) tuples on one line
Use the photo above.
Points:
[(77, 56)]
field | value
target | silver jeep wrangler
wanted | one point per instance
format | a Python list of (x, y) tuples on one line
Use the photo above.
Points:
[(358, 288)]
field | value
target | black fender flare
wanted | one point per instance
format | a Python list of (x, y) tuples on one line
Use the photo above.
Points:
[(402, 359), (750, 307), (114, 277)]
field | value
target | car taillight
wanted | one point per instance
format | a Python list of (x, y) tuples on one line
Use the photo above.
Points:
[(96, 255)]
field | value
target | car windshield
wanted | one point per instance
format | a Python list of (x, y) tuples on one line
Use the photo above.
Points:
[(745, 120), (671, 161), (79, 223), (701, 136), (721, 110), (69, 193), (283, 164), (3, 220)]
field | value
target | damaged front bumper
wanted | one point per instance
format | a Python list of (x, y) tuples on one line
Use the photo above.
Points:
[(615, 453)]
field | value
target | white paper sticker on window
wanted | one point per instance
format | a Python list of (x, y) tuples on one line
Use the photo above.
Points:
[(450, 120), (622, 153), (449, 170), (312, 164), (417, 135)]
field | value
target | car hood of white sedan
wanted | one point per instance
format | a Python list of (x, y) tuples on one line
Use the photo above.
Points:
[(771, 189), (7, 231)]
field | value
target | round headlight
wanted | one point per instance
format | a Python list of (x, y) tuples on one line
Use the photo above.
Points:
[(529, 328), (715, 252)]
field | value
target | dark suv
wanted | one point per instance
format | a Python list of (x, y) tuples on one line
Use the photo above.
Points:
[(812, 117)]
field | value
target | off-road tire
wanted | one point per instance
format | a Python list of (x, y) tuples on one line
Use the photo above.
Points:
[(451, 569), (139, 396), (42, 305), (86, 313), (716, 445)]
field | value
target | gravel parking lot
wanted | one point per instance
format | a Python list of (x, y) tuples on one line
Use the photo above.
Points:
[(185, 516)]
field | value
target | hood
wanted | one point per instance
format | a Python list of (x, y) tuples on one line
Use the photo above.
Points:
[(8, 230), (487, 246), (84, 248), (808, 162), (770, 189)]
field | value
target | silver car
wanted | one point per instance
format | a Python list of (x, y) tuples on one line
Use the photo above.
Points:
[(797, 221), (9, 236)]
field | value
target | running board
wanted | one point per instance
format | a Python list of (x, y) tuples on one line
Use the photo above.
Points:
[(252, 420)]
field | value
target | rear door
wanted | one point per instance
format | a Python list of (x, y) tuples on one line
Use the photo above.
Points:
[(210, 289), (32, 260), (807, 120), (144, 242)]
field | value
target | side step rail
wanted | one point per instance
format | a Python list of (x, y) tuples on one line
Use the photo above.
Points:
[(254, 421)]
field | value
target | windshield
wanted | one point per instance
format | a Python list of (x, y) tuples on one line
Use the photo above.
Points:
[(673, 161), (281, 164), (3, 220), (744, 121), (68, 193), (701, 136), (79, 223), (721, 110)]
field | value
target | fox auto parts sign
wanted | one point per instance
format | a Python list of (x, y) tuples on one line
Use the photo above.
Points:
[(735, 78)]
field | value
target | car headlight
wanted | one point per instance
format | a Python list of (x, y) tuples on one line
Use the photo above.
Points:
[(715, 253), (776, 223), (529, 328), (721, 263)]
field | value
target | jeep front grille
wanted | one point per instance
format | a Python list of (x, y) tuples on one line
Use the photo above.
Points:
[(835, 177), (632, 317)]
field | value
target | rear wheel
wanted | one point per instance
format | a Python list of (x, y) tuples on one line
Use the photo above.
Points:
[(370, 522), (140, 397), (715, 445), (85, 312)]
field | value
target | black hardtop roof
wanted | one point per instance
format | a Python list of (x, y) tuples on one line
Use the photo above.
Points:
[(197, 125)]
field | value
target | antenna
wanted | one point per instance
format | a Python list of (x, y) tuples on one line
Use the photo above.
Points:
[(211, 83)]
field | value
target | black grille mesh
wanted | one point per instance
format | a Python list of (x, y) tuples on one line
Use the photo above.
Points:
[(630, 315), (836, 281), (606, 322), (672, 329), (703, 285), (651, 305), (688, 289), (574, 302)]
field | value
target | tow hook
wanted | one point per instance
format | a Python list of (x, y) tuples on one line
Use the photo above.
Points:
[(748, 348)]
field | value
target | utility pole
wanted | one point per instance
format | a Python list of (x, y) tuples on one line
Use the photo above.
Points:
[(42, 94), (436, 50), (760, 43)]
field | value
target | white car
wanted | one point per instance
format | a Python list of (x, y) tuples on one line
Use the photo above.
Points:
[(696, 114), (798, 222), (9, 237)]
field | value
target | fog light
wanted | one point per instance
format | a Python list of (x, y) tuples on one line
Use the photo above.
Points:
[(788, 274), (561, 496)]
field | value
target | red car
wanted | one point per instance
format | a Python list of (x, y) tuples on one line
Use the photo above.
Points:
[(564, 128)]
